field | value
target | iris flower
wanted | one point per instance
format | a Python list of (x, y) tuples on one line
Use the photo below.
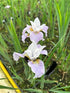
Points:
[(32, 53), (34, 31)]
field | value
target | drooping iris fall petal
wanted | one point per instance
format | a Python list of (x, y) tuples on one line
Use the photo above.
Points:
[(24, 34), (16, 56), (37, 67), (36, 36)]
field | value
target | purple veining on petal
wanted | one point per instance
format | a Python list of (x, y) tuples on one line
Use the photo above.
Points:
[(37, 68), (36, 36)]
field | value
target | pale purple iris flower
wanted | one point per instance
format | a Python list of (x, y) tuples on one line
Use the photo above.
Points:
[(34, 31), (33, 52)]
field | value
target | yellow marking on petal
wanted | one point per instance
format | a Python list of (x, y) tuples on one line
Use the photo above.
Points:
[(26, 56), (36, 61), (40, 29), (36, 32), (28, 34), (31, 29)]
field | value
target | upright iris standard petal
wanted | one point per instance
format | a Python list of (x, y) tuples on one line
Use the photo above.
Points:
[(28, 54), (37, 21), (36, 25), (16, 56), (38, 52), (36, 36), (34, 51), (33, 46), (37, 67)]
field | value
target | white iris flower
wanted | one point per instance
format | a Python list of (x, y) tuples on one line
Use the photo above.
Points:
[(34, 31), (33, 52)]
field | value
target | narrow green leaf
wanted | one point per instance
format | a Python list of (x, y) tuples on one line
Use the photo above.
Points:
[(58, 91), (33, 90), (3, 42), (5, 87), (14, 37), (63, 87)]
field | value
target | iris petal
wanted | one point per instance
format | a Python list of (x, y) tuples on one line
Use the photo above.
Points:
[(24, 36), (44, 52), (37, 22), (16, 56), (45, 28), (36, 36), (37, 67)]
